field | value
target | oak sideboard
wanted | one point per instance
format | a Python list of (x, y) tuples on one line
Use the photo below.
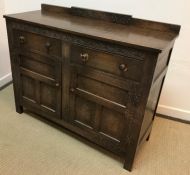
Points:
[(96, 73)]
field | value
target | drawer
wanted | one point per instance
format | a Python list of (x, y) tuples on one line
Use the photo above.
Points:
[(38, 43), (118, 65)]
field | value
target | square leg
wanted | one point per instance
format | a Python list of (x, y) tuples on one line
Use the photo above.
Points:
[(19, 109)]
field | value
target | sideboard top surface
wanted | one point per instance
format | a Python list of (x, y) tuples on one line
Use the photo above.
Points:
[(111, 27)]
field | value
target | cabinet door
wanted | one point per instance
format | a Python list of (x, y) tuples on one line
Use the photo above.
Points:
[(40, 80), (98, 105)]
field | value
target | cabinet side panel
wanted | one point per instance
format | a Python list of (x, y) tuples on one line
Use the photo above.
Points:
[(163, 61), (154, 95), (136, 121), (150, 108)]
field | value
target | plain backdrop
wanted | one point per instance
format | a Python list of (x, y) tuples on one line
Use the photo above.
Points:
[(175, 97)]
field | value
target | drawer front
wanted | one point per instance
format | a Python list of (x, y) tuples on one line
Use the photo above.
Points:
[(117, 65), (37, 43)]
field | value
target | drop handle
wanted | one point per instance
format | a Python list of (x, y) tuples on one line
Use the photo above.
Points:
[(22, 39), (123, 67), (84, 57)]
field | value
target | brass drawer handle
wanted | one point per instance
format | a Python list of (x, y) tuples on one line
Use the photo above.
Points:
[(123, 67), (22, 39), (84, 57), (48, 45)]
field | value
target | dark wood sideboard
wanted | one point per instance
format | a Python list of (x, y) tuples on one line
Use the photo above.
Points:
[(98, 74)]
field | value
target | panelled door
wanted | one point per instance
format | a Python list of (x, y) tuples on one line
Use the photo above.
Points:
[(39, 72), (40, 84)]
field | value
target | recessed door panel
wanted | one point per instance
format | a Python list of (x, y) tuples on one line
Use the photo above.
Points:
[(38, 66), (48, 96), (112, 123), (28, 88), (102, 89), (84, 111)]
